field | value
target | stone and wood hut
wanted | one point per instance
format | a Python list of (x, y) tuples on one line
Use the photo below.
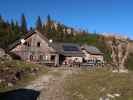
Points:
[(92, 53), (36, 48), (69, 53)]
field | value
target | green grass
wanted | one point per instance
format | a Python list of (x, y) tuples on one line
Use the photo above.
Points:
[(92, 85)]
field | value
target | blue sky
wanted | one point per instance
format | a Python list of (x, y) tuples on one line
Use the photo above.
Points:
[(113, 16)]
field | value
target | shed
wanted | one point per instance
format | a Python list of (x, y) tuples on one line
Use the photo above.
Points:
[(92, 53)]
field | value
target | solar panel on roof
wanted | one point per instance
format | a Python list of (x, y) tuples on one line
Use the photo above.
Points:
[(70, 48)]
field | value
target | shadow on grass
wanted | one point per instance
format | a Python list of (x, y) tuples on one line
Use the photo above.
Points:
[(20, 94)]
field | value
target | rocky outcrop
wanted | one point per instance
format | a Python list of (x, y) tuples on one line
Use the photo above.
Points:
[(13, 71)]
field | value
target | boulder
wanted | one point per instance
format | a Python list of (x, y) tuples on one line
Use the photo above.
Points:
[(9, 84)]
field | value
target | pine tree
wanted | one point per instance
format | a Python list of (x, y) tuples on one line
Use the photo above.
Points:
[(65, 34), (43, 30), (39, 24), (17, 29), (1, 24), (23, 24), (54, 33), (31, 29), (12, 25), (49, 19), (60, 33), (1, 19), (48, 27)]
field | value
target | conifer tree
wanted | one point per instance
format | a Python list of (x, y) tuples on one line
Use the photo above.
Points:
[(31, 29), (17, 29), (1, 24), (23, 24), (12, 25), (1, 19), (43, 29), (48, 27), (39, 24), (60, 32), (17, 26)]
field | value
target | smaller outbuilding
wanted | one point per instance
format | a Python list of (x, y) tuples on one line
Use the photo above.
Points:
[(92, 53)]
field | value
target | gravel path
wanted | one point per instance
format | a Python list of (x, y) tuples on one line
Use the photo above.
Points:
[(51, 86), (40, 83)]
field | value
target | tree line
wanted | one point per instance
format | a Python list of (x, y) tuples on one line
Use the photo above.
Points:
[(11, 31)]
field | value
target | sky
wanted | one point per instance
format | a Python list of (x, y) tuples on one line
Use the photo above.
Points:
[(102, 16)]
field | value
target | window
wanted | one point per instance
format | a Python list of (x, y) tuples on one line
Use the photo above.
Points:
[(41, 57), (38, 44), (27, 44), (52, 57), (46, 57), (31, 57)]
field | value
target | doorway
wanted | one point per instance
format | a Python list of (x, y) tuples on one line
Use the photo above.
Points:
[(61, 59)]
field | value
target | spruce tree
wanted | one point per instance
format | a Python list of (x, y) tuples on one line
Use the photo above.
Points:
[(12, 25), (2, 24), (39, 24), (1, 19), (23, 24), (17, 29), (31, 28), (43, 30), (60, 33), (48, 27)]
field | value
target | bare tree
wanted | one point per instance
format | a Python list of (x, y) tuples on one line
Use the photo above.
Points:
[(120, 51)]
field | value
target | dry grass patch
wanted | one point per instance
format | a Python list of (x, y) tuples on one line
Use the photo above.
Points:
[(88, 85)]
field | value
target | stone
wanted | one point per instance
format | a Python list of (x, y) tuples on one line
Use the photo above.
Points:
[(1, 81), (110, 95), (120, 71), (10, 85), (115, 71), (104, 98), (123, 71), (103, 89), (117, 95)]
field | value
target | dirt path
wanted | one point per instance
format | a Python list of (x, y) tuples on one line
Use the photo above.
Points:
[(40, 83), (51, 86)]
